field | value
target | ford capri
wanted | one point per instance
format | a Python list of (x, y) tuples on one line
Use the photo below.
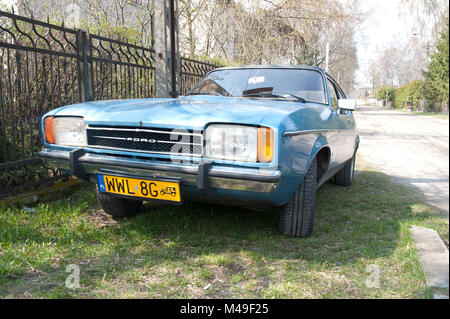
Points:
[(251, 136)]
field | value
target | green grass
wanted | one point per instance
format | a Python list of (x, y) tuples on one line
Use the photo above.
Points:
[(433, 114), (439, 115), (175, 252)]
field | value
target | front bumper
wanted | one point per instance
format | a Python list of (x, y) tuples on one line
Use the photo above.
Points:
[(203, 176)]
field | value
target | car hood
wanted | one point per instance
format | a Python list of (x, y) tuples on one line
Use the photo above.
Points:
[(193, 112)]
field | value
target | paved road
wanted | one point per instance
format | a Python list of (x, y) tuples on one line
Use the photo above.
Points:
[(411, 148)]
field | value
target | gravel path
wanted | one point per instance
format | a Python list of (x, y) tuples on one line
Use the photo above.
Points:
[(413, 149)]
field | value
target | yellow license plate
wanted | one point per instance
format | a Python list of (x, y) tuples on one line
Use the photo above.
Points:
[(136, 187)]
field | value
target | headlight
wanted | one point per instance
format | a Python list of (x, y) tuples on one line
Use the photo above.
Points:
[(239, 143), (69, 131)]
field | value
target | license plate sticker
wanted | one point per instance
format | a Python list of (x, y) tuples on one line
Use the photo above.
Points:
[(137, 187)]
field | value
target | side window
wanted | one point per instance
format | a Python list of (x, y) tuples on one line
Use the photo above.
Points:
[(340, 92), (333, 96)]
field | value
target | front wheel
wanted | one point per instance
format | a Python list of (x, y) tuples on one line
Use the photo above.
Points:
[(118, 206), (297, 215)]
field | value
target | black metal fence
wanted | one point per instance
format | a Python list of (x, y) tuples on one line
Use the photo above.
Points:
[(39, 70), (44, 66), (118, 70), (192, 71)]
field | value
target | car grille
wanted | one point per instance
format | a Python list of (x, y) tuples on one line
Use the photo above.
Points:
[(160, 141)]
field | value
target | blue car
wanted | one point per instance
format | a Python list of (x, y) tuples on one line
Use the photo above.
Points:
[(250, 136)]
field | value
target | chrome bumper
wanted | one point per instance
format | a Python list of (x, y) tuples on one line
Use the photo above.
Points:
[(204, 175)]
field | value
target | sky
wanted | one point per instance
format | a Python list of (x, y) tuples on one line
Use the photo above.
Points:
[(388, 22)]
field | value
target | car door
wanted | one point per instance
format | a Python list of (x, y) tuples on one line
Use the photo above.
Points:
[(349, 122), (342, 123)]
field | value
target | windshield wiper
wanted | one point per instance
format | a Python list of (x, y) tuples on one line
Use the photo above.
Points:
[(270, 94), (298, 98)]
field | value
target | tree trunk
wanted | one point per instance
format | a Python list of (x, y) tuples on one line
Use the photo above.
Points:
[(444, 108)]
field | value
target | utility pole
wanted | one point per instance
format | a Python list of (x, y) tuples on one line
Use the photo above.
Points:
[(386, 90), (381, 85), (386, 95)]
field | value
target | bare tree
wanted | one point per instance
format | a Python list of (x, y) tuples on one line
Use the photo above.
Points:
[(266, 31), (428, 13), (374, 75), (188, 15), (275, 31), (399, 64), (116, 18)]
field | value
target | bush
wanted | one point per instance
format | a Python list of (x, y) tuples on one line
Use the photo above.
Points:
[(216, 61), (434, 89), (411, 92), (381, 93), (437, 76)]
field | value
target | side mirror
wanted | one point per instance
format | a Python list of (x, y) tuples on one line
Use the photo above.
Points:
[(347, 104)]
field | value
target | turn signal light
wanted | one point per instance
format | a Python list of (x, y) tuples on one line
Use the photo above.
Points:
[(265, 144), (48, 129)]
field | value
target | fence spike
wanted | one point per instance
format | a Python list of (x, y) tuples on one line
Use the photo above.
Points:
[(12, 7)]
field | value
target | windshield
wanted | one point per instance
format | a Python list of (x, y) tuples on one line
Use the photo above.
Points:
[(300, 84)]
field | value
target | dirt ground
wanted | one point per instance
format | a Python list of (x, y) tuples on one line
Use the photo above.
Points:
[(413, 149)]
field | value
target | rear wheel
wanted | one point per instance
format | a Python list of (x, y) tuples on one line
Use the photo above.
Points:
[(118, 206), (297, 215), (345, 176)]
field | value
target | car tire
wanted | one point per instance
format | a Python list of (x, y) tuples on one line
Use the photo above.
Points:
[(297, 215), (344, 177), (118, 207)]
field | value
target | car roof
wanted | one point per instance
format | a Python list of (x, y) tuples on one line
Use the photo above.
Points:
[(271, 66)]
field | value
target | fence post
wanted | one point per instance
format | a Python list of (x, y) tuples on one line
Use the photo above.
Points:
[(166, 48), (83, 66)]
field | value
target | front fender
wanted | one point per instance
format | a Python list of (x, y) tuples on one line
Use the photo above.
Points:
[(320, 143), (296, 156)]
